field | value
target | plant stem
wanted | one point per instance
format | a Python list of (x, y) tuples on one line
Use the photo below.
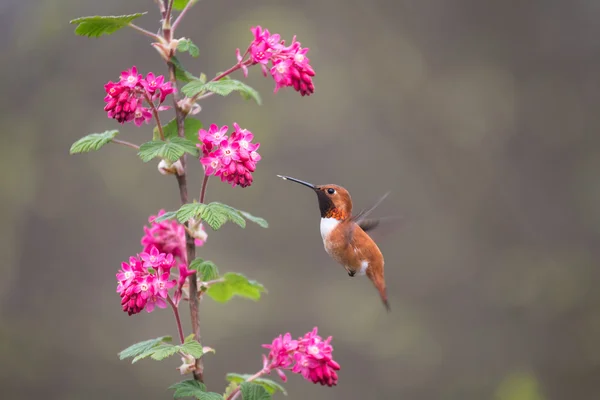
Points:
[(161, 7), (166, 27), (234, 395), (177, 319), (189, 240), (145, 32), (124, 143), (180, 16), (230, 70), (156, 117), (203, 190)]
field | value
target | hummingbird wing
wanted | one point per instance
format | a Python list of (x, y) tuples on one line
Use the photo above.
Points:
[(363, 214), (362, 221)]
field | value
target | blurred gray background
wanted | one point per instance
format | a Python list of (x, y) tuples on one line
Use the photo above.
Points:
[(480, 118)]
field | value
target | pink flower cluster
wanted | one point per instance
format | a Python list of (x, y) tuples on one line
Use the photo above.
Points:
[(169, 237), (144, 282), (125, 98), (309, 356), (233, 158), (289, 65)]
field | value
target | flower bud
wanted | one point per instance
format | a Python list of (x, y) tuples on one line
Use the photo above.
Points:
[(166, 167)]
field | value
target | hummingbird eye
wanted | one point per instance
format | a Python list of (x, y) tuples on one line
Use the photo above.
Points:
[(331, 190)]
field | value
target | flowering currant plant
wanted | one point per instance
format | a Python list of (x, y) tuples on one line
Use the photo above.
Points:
[(166, 272)]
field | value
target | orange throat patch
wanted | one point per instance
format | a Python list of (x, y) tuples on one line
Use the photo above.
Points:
[(336, 213)]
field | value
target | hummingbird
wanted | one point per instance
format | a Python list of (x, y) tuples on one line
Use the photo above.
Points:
[(345, 235)]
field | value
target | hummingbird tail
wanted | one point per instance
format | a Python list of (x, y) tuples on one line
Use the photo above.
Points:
[(379, 283)]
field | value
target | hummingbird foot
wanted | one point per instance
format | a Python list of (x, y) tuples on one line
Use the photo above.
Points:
[(351, 273)]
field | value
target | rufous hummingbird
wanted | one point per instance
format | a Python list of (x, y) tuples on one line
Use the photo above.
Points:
[(344, 235)]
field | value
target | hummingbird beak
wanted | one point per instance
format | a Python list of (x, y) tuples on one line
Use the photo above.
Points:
[(288, 178)]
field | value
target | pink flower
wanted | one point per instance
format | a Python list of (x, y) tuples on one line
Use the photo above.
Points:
[(124, 99), (155, 300), (130, 78), (141, 115), (232, 159), (162, 284), (211, 138), (141, 287), (167, 236), (309, 356), (164, 246), (228, 151), (152, 83), (289, 65), (154, 259), (211, 163), (239, 57)]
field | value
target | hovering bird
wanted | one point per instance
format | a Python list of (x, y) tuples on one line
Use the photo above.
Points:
[(344, 235)]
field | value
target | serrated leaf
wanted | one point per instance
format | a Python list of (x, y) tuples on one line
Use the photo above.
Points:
[(210, 396), (215, 217), (93, 141), (235, 285), (141, 347), (187, 45), (253, 391), (96, 26), (171, 150), (221, 87), (192, 348), (260, 221), (206, 269), (191, 126), (180, 4), (181, 74), (268, 384), (189, 388), (167, 215), (188, 211), (231, 213), (163, 351)]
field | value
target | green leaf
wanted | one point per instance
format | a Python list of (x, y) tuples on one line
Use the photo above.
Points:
[(215, 214), (221, 87), (142, 347), (214, 217), (253, 391), (180, 4), (235, 285), (188, 211), (93, 141), (229, 212), (193, 348), (162, 351), (181, 73), (207, 269), (172, 150), (260, 221), (191, 125), (210, 396), (269, 385), (189, 388), (187, 45), (167, 215), (97, 26)]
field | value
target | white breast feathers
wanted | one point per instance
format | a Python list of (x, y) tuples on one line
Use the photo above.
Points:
[(327, 226)]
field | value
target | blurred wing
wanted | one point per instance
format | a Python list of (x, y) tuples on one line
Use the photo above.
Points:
[(363, 214), (379, 228), (361, 220)]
